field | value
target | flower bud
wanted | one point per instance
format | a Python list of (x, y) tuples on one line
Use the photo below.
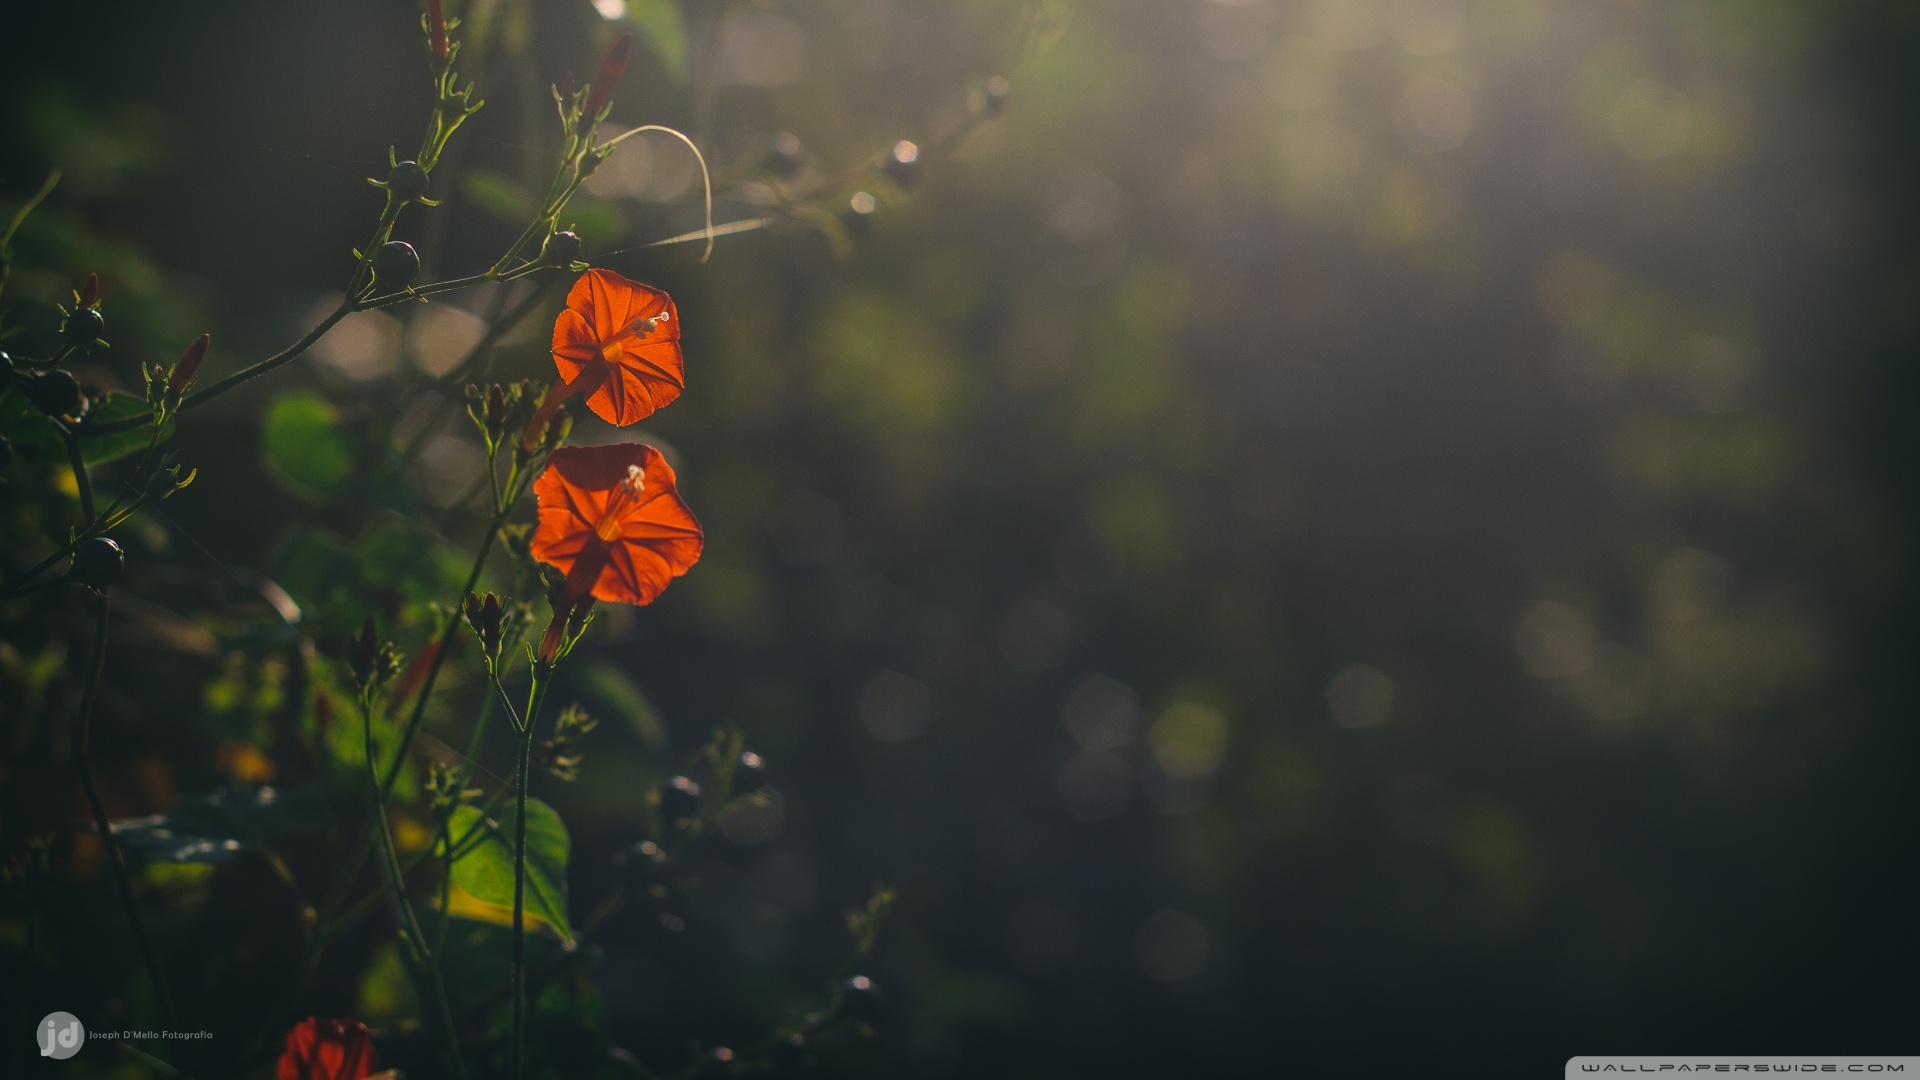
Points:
[(485, 617), (436, 30), (97, 563), (90, 291), (787, 157), (362, 649), (858, 216), (679, 799), (560, 249), (610, 70), (395, 265), (496, 409), (84, 326), (902, 163), (182, 376), (407, 181), (56, 392)]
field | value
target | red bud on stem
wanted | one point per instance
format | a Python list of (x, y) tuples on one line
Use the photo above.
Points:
[(610, 70), (436, 30), (182, 376), (90, 291)]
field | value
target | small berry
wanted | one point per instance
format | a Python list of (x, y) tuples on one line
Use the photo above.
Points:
[(859, 1001), (996, 100), (560, 249), (56, 393), (858, 216), (395, 265), (750, 774), (902, 163), (679, 798), (407, 181), (97, 563), (787, 157), (84, 325)]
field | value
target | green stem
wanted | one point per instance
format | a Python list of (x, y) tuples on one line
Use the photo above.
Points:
[(79, 464), (521, 776), (82, 758)]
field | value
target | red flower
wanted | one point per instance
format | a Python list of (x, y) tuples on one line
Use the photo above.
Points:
[(610, 69), (612, 520), (618, 342), (321, 1049)]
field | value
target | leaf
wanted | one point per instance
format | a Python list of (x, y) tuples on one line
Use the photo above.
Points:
[(217, 826), (496, 194), (303, 447), (29, 429), (660, 24), (109, 407), (484, 874)]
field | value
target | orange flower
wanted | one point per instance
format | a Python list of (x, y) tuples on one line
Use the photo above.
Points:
[(612, 520), (618, 342), (321, 1049)]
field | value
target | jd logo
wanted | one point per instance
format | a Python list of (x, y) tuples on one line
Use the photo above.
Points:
[(61, 1035)]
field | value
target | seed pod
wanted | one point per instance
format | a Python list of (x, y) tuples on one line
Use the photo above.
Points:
[(560, 249), (859, 1001), (395, 265), (407, 181), (749, 773), (97, 563), (679, 798), (902, 163), (56, 393), (858, 216), (787, 157), (84, 326)]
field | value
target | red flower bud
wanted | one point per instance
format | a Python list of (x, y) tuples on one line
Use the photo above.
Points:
[(496, 409), (90, 291), (610, 69), (322, 1049), (182, 376), (436, 30)]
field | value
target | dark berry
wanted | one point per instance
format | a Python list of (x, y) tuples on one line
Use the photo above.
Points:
[(858, 216), (902, 163), (749, 774), (679, 798), (6, 371), (560, 249), (56, 393), (6, 452), (997, 89), (639, 859), (859, 1001), (787, 157), (407, 181), (97, 563), (395, 265), (84, 325)]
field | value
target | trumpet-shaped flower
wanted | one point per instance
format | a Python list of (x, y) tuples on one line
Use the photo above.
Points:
[(611, 520), (617, 342), (322, 1049)]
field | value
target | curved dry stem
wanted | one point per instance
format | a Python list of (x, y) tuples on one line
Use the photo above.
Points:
[(706, 179)]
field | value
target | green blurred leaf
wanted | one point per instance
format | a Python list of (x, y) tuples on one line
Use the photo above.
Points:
[(28, 428), (610, 687), (496, 194), (217, 826), (485, 873), (659, 24), (109, 407), (303, 447)]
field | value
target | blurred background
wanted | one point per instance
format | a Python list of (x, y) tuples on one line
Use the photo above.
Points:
[(1329, 536)]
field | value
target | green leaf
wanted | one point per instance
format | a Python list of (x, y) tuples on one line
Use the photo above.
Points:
[(485, 872), (660, 25), (217, 826), (303, 447), (109, 407), (496, 194), (29, 429)]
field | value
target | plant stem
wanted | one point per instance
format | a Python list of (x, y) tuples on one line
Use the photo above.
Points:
[(397, 892), (521, 776), (79, 463), (82, 757)]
